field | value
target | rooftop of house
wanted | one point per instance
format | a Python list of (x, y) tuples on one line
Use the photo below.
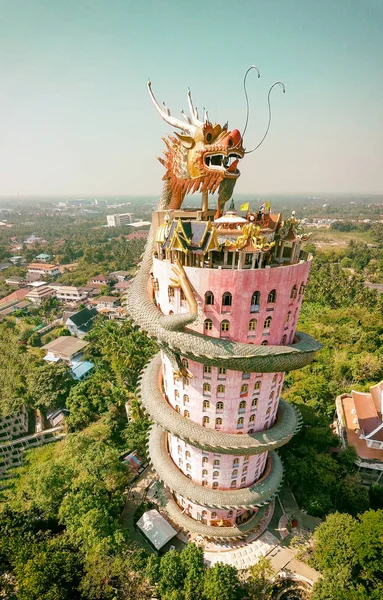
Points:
[(122, 285), (100, 278), (42, 266), (43, 256), (17, 295), (346, 406), (369, 414), (83, 318), (65, 346), (120, 274), (106, 299), (82, 368)]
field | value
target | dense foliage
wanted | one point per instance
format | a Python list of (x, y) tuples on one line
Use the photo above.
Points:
[(349, 553)]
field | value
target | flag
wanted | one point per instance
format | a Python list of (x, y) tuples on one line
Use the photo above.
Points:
[(267, 205), (262, 207), (244, 206)]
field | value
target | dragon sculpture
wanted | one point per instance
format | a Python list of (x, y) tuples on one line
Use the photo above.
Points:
[(202, 157)]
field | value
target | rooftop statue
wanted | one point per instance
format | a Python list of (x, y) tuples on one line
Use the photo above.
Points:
[(201, 157)]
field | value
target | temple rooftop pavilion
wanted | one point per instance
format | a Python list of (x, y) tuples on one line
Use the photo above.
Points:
[(231, 241)]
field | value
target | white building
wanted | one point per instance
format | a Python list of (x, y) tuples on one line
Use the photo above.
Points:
[(118, 220), (69, 294)]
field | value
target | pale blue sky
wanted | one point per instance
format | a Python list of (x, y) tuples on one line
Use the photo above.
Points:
[(75, 117)]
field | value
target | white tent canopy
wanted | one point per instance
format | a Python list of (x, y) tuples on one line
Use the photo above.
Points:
[(158, 531)]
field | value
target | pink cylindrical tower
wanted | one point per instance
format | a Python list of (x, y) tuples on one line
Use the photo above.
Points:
[(221, 294), (218, 426)]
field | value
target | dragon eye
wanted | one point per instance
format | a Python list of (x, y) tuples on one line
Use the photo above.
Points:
[(209, 137)]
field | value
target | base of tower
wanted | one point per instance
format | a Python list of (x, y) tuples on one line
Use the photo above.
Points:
[(254, 527)]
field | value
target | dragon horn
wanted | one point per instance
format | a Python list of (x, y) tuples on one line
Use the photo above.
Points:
[(166, 116), (193, 111)]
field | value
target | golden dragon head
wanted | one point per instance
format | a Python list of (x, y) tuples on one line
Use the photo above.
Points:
[(201, 157)]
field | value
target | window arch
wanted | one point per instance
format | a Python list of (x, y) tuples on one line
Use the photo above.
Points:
[(171, 293), (205, 460), (179, 448), (208, 325), (218, 421), (215, 484), (227, 299), (242, 405), (240, 421), (264, 343), (186, 398), (257, 385), (235, 462), (205, 421), (252, 419), (244, 389), (204, 482), (206, 404), (288, 316), (225, 326), (293, 292), (255, 301), (243, 480), (204, 472), (244, 470), (302, 289), (254, 402), (219, 405), (213, 515), (178, 408), (284, 340), (271, 397), (252, 324), (188, 466), (272, 297), (209, 299), (186, 413), (275, 379), (206, 388), (267, 323), (220, 389), (180, 462), (215, 474), (234, 483), (234, 473), (187, 454), (176, 394), (216, 462)]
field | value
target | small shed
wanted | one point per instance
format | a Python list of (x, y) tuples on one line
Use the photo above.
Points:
[(157, 529)]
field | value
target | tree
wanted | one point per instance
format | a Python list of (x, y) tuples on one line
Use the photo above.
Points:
[(49, 384), (221, 583), (49, 570), (259, 583), (172, 573)]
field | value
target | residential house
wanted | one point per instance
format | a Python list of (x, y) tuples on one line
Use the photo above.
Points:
[(120, 275), (122, 286), (69, 350), (106, 302), (45, 258), (15, 296), (14, 281), (17, 260), (80, 323), (5, 265), (359, 423), (69, 294), (44, 270), (100, 280)]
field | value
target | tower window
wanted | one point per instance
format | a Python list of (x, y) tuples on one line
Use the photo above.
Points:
[(220, 389), (206, 388), (219, 406), (186, 414), (252, 324), (206, 404), (267, 323), (272, 297), (218, 421), (244, 389), (205, 421), (227, 299), (225, 326), (208, 325), (293, 292), (209, 298), (255, 301)]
